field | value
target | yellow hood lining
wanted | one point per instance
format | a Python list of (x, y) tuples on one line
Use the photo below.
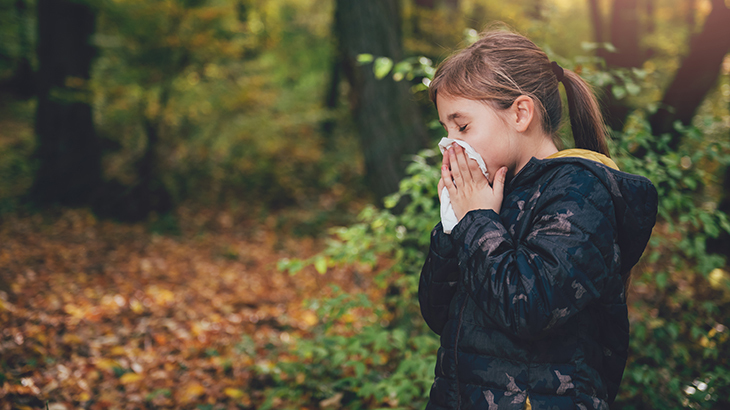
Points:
[(587, 154)]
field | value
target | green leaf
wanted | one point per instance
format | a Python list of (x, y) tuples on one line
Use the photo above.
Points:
[(320, 264), (359, 369), (365, 58), (633, 88), (609, 47), (661, 280), (639, 73), (382, 67), (618, 92), (588, 46)]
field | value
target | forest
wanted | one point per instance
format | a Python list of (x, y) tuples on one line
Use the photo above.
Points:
[(226, 204)]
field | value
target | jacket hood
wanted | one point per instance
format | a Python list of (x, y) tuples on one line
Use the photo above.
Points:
[(634, 198)]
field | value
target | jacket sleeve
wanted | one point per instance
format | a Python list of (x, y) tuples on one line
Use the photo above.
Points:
[(531, 285), (439, 278)]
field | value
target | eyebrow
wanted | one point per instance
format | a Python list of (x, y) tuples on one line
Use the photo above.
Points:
[(452, 117)]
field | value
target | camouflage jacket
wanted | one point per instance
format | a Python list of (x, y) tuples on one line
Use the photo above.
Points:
[(530, 302)]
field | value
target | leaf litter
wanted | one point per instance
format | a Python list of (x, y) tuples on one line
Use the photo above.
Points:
[(102, 315)]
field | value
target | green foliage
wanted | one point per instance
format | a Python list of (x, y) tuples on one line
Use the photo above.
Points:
[(17, 144), (680, 343), (409, 69), (216, 86), (403, 236), (229, 96), (17, 29), (362, 363), (680, 295), (386, 358)]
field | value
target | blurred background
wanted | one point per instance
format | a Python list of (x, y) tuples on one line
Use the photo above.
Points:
[(225, 204)]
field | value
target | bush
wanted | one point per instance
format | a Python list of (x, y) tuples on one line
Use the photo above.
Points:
[(679, 302)]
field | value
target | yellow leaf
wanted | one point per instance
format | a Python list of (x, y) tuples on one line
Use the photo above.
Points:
[(196, 389), (41, 338), (136, 306), (717, 278), (74, 310), (107, 364), (233, 393), (310, 318), (161, 296), (128, 378), (72, 339), (118, 351), (192, 392)]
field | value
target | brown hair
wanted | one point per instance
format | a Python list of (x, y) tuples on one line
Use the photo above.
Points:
[(502, 66)]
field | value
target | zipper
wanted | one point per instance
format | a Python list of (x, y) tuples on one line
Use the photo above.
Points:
[(456, 354)]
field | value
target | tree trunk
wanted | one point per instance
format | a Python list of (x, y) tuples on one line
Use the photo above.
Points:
[(389, 124), (597, 20), (431, 4), (650, 28), (332, 93), (148, 194), (426, 4), (68, 151), (690, 16), (536, 9), (696, 75), (625, 36)]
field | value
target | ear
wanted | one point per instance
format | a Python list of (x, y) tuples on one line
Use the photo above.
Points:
[(522, 113)]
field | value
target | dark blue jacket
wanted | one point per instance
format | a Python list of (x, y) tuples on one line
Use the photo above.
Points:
[(530, 302)]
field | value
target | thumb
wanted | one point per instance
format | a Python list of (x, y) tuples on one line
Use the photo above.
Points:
[(498, 187), (499, 179)]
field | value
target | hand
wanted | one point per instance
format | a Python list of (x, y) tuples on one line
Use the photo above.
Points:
[(468, 188)]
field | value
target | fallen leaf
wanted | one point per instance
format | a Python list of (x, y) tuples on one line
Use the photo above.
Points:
[(128, 378), (233, 393), (191, 392)]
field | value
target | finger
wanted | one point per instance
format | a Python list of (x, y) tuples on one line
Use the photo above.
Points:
[(498, 188), (463, 159), (499, 179), (446, 179), (440, 187), (455, 169), (476, 172)]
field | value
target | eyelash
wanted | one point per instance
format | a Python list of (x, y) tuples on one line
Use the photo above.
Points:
[(462, 129)]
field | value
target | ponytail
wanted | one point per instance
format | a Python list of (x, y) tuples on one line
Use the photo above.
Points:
[(502, 66), (586, 121)]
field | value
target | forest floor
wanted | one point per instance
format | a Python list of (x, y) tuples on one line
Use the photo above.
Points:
[(169, 314)]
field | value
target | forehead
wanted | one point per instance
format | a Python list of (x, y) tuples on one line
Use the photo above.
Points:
[(451, 107)]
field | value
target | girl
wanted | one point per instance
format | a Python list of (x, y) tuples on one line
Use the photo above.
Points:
[(528, 290)]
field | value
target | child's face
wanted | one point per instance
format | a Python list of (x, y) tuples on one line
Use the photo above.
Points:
[(484, 129)]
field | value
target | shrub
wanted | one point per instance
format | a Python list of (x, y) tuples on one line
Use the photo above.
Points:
[(679, 302)]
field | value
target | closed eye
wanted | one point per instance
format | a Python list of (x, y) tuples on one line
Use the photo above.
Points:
[(463, 128)]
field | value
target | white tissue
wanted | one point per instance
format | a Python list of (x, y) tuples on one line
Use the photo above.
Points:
[(448, 217)]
